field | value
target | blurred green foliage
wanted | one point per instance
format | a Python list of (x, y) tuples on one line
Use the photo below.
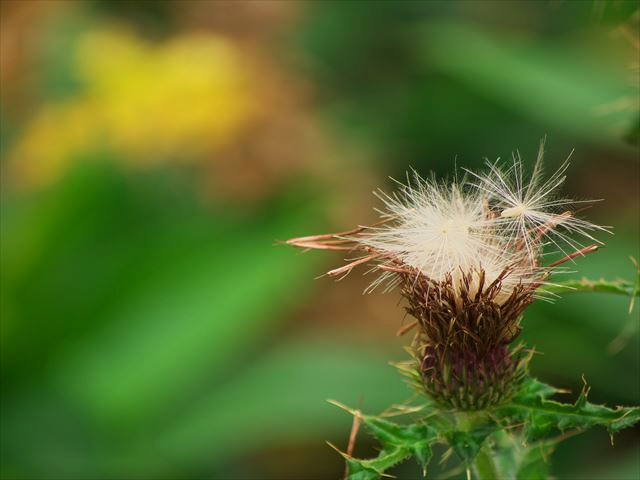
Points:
[(413, 75), (150, 325)]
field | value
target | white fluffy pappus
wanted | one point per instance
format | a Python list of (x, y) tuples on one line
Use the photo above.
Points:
[(531, 211), (443, 230), (492, 225)]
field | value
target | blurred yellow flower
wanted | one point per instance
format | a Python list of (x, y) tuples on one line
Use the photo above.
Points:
[(147, 103)]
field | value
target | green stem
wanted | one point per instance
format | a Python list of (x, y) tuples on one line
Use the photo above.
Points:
[(484, 466)]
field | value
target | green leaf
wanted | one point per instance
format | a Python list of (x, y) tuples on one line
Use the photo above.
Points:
[(507, 456), (399, 442), (618, 287), (532, 389), (627, 288), (375, 468), (543, 417), (467, 444), (358, 471), (423, 453)]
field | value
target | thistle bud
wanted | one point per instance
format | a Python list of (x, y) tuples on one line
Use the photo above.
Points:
[(463, 339)]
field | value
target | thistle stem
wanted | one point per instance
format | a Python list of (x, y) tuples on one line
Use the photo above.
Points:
[(484, 466)]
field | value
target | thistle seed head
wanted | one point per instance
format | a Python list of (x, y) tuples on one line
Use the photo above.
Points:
[(467, 257)]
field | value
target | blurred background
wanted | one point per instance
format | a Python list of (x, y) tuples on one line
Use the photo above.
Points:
[(154, 153)]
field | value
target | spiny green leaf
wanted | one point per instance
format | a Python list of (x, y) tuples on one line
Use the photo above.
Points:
[(531, 388), (358, 471), (423, 454), (620, 287), (395, 434), (516, 459), (373, 468), (413, 439), (467, 444), (542, 417), (386, 459), (398, 441), (387, 432)]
